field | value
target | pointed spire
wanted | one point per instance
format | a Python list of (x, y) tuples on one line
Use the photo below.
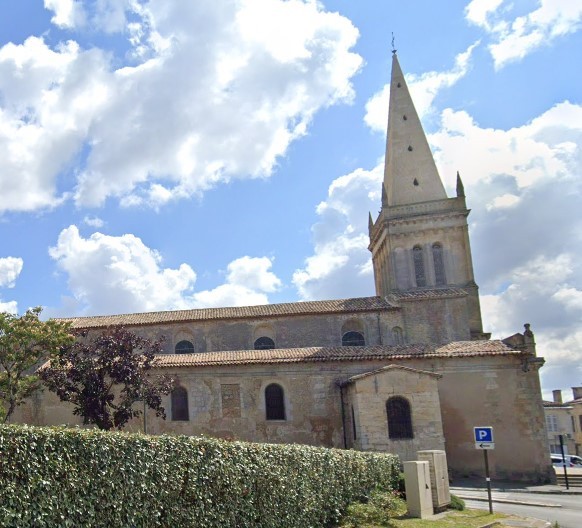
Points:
[(410, 173), (370, 223), (460, 186), (384, 196)]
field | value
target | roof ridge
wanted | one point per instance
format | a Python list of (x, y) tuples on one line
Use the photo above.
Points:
[(353, 304), (336, 353)]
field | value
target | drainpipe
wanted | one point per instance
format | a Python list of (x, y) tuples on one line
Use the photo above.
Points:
[(341, 388)]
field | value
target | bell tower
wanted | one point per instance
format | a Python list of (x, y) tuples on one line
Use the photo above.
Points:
[(420, 240)]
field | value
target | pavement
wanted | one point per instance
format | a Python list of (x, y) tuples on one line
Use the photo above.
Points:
[(472, 484), (472, 489)]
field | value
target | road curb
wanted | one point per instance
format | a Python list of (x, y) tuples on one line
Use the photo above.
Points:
[(457, 490), (508, 501)]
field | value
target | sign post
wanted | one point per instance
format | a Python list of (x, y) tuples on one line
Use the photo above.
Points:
[(564, 460), (484, 441)]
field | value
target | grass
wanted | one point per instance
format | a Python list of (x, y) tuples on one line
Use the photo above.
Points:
[(452, 518), (387, 510)]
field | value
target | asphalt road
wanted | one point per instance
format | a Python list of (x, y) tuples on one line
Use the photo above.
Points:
[(569, 515)]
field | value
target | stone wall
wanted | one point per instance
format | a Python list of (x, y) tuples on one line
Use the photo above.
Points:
[(474, 391), (293, 331), (497, 392), (367, 424)]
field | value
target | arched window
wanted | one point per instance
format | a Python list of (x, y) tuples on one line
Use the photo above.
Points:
[(399, 418), (439, 267), (353, 339), (264, 343), (418, 266), (397, 335), (275, 402), (180, 405), (184, 347)]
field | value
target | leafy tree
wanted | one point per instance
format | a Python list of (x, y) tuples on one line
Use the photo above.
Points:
[(24, 342), (104, 375)]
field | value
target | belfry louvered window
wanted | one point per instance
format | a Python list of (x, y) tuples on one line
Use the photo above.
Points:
[(180, 404), (418, 257), (397, 335), (399, 418), (275, 402), (439, 267)]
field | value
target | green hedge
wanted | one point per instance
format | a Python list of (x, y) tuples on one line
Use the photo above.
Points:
[(56, 477)]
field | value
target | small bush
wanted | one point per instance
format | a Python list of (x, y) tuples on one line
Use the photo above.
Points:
[(456, 503), (401, 485), (379, 510)]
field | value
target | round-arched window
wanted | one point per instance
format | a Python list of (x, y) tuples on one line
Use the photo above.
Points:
[(353, 339), (184, 347), (399, 418), (418, 258), (179, 399), (264, 343), (275, 402)]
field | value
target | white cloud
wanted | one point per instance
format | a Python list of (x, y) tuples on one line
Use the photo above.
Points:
[(504, 201), (541, 292), (514, 38), (248, 280), (214, 91), (10, 268), (341, 263), (49, 100), (67, 13), (108, 274), (115, 274), (545, 149), (478, 11), (93, 221), (423, 90)]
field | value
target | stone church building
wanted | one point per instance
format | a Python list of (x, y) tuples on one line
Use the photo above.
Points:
[(406, 370)]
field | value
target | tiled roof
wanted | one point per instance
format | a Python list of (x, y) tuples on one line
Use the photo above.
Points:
[(478, 348), (388, 369), (358, 304), (328, 354), (546, 403), (429, 293)]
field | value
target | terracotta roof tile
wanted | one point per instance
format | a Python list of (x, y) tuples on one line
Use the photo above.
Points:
[(358, 304), (429, 293), (546, 403), (327, 354), (388, 368), (479, 347)]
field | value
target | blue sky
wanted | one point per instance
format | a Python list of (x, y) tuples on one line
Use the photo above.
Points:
[(166, 154)]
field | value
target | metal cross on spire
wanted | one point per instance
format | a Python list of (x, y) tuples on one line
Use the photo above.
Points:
[(393, 45)]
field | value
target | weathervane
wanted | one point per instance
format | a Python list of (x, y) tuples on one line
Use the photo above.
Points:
[(393, 45)]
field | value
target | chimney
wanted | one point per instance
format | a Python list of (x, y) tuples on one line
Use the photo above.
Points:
[(557, 396), (577, 392)]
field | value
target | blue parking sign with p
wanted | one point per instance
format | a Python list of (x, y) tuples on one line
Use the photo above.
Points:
[(483, 434)]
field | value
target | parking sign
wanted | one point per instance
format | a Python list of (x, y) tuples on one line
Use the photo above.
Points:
[(484, 437)]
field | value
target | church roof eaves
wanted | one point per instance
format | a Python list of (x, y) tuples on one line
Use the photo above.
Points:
[(357, 304), (331, 354), (428, 293), (388, 368)]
